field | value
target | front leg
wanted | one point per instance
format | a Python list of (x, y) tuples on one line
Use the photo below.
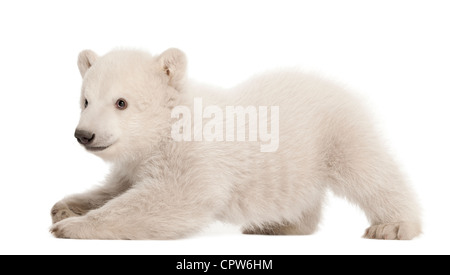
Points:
[(80, 204), (144, 212)]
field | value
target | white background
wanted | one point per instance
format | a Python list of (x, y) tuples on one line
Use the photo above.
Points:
[(395, 53)]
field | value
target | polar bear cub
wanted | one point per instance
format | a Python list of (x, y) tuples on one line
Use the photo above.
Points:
[(180, 161)]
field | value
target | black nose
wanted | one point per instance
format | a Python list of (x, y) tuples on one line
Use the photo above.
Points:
[(84, 137)]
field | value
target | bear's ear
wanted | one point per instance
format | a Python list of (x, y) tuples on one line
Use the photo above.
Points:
[(86, 59), (173, 65)]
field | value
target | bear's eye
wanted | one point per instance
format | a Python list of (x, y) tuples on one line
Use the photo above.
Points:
[(121, 104), (86, 103)]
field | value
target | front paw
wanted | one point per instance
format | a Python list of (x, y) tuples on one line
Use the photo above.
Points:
[(61, 211), (71, 228)]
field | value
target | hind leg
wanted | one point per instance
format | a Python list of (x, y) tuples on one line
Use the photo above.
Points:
[(372, 180), (307, 225)]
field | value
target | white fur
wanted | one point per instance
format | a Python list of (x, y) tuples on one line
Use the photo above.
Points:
[(162, 189)]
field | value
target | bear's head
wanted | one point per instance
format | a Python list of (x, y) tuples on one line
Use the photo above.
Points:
[(126, 100)]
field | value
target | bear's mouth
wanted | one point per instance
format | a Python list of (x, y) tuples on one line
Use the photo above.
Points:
[(96, 148)]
